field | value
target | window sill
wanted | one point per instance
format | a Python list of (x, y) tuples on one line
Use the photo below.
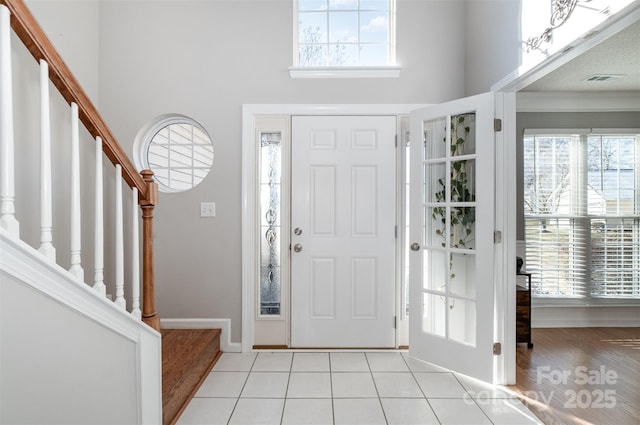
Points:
[(345, 72), (549, 302)]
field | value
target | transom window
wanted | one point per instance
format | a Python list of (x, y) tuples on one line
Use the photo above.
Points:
[(344, 33), (582, 213)]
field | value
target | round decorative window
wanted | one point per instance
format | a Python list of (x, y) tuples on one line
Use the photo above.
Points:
[(177, 149)]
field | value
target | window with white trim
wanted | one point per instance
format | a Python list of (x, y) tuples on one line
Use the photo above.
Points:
[(177, 149), (582, 212), (344, 33)]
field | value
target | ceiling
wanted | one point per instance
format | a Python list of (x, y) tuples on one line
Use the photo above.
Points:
[(618, 55)]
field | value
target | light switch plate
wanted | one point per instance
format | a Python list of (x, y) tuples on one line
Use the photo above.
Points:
[(207, 209)]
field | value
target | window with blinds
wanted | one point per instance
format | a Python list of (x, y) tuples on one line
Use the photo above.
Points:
[(582, 213)]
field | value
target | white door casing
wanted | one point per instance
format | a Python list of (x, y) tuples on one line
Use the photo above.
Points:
[(343, 231), (505, 218), (452, 247)]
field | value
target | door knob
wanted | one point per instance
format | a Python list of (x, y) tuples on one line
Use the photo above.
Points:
[(415, 246), (297, 247), (297, 231)]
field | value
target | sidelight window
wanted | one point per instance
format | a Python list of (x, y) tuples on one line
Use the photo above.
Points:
[(270, 223)]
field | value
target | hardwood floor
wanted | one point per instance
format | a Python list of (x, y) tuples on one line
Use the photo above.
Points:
[(188, 355), (581, 375)]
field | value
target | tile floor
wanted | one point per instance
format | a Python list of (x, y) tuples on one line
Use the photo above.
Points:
[(354, 388)]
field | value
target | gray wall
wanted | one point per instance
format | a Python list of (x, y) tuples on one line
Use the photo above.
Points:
[(207, 58), (532, 120), (73, 27), (493, 42)]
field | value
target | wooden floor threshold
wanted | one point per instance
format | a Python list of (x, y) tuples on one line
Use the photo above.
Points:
[(188, 355)]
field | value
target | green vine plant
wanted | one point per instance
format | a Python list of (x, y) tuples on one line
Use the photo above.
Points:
[(462, 218)]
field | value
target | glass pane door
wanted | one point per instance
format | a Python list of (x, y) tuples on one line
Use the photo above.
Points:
[(451, 235), (449, 156)]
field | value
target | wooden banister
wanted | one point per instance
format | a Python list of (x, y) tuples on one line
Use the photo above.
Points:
[(149, 314), (33, 37)]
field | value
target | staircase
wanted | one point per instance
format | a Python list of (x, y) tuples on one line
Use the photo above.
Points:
[(188, 355), (79, 331)]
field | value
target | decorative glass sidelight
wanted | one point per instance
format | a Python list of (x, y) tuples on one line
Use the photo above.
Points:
[(270, 223)]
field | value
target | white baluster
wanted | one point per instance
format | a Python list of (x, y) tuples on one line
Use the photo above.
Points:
[(76, 259), (120, 302), (8, 219), (46, 217), (135, 254), (98, 279)]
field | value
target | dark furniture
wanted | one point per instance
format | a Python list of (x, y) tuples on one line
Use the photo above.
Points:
[(523, 311)]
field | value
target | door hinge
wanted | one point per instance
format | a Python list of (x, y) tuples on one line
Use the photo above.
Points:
[(497, 124), (497, 236), (396, 140), (497, 348), (395, 322), (396, 232)]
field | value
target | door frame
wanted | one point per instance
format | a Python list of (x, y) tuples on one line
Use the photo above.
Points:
[(509, 99), (250, 237), (504, 318)]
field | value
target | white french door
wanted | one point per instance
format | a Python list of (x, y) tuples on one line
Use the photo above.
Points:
[(451, 317), (343, 205)]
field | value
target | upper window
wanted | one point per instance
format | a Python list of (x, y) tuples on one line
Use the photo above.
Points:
[(344, 33), (177, 149)]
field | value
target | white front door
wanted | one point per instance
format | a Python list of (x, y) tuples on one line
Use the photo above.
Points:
[(451, 317), (343, 204)]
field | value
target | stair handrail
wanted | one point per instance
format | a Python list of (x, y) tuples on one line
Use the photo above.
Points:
[(26, 27), (35, 40)]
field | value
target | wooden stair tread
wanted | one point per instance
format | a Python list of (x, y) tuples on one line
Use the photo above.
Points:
[(188, 355)]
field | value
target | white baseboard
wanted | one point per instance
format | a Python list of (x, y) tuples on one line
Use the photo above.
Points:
[(226, 346), (584, 317)]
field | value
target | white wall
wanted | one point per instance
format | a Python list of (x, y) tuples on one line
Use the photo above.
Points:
[(59, 368), (67, 356)]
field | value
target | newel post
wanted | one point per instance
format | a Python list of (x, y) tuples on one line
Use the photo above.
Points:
[(147, 204)]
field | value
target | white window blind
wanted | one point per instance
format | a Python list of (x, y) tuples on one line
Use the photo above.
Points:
[(582, 213)]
